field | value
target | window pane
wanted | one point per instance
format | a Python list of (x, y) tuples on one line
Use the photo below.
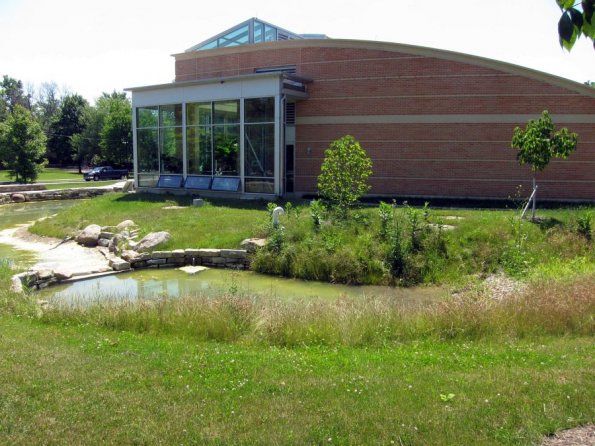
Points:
[(259, 148), (209, 45), (148, 180), (226, 112), (270, 33), (198, 140), (146, 117), (148, 154), (226, 139), (237, 37), (170, 115), (171, 150), (198, 113), (259, 110), (259, 186), (258, 32)]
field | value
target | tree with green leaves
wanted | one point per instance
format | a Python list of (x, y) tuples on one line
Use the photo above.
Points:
[(11, 95), (47, 105), (116, 133), (538, 143), (22, 145), (69, 122), (344, 173), (576, 20)]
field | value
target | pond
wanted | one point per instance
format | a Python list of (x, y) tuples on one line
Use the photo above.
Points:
[(153, 283)]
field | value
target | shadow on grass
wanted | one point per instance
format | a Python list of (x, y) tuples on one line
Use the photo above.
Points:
[(546, 223), (186, 200)]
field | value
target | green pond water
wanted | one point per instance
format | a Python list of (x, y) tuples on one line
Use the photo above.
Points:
[(154, 283)]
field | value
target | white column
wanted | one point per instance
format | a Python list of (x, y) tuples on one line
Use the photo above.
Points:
[(278, 157), (184, 147), (134, 148), (242, 140)]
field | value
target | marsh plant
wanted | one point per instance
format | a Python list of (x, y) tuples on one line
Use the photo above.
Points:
[(584, 224), (316, 213), (516, 259), (386, 212)]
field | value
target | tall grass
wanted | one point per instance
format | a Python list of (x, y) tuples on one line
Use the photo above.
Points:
[(545, 308)]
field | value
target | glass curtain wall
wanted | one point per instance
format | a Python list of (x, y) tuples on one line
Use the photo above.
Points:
[(147, 143), (159, 142), (199, 138), (259, 145), (213, 132), (213, 138), (170, 139)]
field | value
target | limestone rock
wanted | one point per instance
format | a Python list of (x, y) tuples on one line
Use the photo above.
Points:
[(126, 224), (89, 236), (118, 264), (62, 274), (128, 186), (192, 269), (149, 241), (252, 244), (18, 198), (16, 285)]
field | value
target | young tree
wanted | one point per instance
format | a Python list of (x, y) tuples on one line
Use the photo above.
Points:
[(344, 173), (538, 143), (22, 145)]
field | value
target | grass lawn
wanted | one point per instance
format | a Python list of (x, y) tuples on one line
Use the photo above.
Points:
[(49, 174), (210, 226), (80, 384)]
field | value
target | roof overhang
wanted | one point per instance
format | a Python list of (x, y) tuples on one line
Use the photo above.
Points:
[(289, 84)]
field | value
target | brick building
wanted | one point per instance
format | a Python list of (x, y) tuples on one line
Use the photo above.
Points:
[(252, 110)]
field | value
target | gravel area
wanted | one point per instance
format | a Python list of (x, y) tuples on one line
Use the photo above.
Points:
[(580, 436)]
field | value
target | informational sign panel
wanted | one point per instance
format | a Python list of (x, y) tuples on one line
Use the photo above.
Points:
[(226, 184), (202, 183), (171, 181)]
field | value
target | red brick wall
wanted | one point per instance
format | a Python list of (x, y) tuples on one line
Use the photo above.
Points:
[(429, 159)]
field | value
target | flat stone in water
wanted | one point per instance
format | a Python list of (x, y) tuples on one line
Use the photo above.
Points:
[(190, 269)]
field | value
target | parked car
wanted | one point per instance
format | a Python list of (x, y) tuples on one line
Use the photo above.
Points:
[(105, 173)]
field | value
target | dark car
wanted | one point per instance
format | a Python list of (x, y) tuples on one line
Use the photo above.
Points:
[(105, 173)]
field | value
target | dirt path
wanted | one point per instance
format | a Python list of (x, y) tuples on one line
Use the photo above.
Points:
[(67, 257)]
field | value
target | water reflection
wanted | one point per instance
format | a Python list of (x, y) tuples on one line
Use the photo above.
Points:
[(151, 284)]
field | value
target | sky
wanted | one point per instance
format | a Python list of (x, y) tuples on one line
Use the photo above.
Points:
[(90, 47)]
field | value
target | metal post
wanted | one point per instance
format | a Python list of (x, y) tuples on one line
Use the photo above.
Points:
[(534, 199)]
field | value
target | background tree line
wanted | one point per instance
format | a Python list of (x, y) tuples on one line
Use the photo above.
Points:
[(52, 126)]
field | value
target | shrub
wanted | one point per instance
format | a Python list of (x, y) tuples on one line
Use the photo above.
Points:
[(344, 173), (584, 224)]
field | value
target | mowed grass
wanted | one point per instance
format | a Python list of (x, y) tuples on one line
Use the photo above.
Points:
[(80, 384), (49, 174), (211, 226)]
